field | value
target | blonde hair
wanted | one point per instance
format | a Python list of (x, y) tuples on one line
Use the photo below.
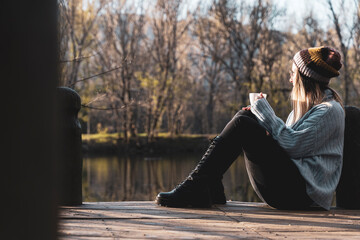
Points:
[(307, 93)]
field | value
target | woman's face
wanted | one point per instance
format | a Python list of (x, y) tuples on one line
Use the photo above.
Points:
[(293, 73)]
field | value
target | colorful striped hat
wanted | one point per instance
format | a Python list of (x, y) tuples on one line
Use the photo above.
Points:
[(318, 63)]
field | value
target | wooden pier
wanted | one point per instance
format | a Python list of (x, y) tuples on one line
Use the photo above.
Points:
[(235, 220)]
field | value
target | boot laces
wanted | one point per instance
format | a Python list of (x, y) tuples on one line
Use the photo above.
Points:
[(189, 179), (204, 157)]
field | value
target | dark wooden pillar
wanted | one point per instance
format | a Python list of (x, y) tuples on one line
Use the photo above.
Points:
[(348, 190), (28, 74), (70, 155)]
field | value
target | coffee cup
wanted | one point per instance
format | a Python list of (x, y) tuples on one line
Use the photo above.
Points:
[(253, 96)]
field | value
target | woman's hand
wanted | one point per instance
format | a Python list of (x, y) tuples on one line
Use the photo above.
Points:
[(260, 96)]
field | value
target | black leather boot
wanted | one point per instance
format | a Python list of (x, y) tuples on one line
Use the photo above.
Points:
[(217, 192), (192, 192), (203, 186)]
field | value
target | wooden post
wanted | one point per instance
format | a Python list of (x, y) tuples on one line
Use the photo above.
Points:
[(29, 72), (69, 104), (348, 190)]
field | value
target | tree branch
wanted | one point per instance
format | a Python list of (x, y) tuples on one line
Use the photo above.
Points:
[(93, 76), (79, 58)]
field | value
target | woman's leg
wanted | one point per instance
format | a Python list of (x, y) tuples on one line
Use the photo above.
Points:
[(203, 186), (266, 163), (273, 175)]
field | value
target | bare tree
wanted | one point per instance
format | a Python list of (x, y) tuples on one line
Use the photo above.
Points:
[(207, 59), (270, 51), (123, 33), (310, 33), (345, 30), (63, 38), (355, 76), (167, 32), (242, 25), (81, 18)]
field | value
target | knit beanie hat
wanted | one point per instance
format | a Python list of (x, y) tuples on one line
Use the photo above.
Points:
[(319, 63)]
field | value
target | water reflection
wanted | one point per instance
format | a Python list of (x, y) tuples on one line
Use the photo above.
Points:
[(114, 178)]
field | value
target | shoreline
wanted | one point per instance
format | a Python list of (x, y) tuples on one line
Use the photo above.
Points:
[(179, 144)]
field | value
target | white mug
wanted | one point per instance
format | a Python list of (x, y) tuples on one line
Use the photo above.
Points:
[(253, 96)]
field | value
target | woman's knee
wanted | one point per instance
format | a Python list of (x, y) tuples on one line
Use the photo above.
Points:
[(238, 125), (245, 119), (246, 113)]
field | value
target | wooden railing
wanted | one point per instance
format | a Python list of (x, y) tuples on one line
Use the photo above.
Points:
[(70, 159), (348, 190)]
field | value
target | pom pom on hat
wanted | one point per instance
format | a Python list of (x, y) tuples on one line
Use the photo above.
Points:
[(319, 63)]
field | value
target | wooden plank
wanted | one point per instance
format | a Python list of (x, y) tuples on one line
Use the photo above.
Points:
[(317, 235), (157, 228), (134, 220), (186, 229), (264, 219), (149, 211), (139, 214)]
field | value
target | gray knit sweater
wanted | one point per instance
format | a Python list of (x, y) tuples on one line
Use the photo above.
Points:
[(314, 143)]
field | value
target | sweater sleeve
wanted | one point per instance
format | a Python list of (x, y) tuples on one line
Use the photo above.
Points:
[(299, 142)]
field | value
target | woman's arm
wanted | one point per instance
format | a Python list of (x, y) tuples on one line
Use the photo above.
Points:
[(299, 142)]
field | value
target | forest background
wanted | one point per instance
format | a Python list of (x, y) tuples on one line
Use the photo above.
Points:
[(180, 67)]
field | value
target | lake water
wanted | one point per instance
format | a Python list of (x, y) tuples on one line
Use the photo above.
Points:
[(114, 178)]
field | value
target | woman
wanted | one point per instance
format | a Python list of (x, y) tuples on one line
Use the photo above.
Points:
[(292, 165)]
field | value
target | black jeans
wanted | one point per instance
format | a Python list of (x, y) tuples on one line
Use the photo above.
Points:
[(273, 175)]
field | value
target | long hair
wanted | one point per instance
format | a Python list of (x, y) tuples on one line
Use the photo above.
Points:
[(307, 93)]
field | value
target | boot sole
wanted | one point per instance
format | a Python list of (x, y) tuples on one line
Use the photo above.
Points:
[(221, 200), (170, 203)]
